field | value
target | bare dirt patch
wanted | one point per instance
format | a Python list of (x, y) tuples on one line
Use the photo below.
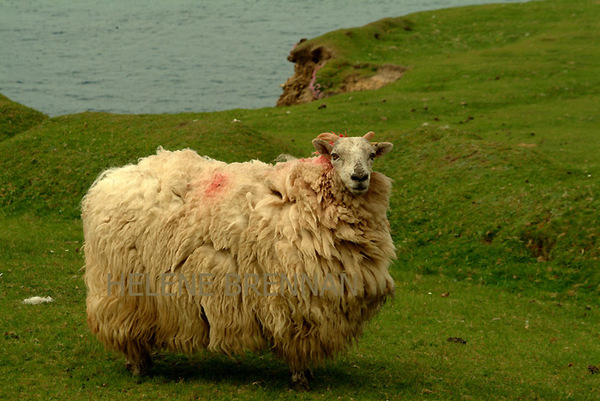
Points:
[(384, 75)]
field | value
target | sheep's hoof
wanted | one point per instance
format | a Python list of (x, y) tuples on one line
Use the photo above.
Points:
[(299, 381), (139, 367)]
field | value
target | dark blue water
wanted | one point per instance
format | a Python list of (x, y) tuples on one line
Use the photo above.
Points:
[(146, 56)]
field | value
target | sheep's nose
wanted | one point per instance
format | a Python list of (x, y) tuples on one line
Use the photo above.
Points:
[(359, 177)]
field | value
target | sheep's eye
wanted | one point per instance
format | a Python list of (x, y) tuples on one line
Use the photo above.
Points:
[(372, 156), (335, 156)]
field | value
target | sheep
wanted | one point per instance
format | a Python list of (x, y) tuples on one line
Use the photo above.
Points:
[(179, 247)]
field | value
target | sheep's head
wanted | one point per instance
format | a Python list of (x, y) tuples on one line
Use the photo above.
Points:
[(352, 158)]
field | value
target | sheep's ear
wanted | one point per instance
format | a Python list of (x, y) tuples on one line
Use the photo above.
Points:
[(328, 136), (323, 147), (369, 135), (382, 148)]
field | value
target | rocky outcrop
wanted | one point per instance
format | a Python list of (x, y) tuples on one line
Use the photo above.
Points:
[(309, 58), (302, 86)]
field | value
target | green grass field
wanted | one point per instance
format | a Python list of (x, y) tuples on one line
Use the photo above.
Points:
[(494, 213)]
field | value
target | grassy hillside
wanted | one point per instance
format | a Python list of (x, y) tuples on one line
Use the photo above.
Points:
[(15, 118), (496, 176)]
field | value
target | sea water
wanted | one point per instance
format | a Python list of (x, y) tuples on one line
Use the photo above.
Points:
[(148, 56)]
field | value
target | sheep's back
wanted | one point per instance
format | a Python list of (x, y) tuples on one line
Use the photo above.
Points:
[(168, 205)]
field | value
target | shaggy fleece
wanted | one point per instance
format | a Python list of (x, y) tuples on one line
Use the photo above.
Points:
[(180, 213)]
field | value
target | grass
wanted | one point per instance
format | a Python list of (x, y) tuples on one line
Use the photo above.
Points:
[(494, 214), (16, 118)]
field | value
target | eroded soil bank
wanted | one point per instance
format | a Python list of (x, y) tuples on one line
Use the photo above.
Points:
[(309, 58)]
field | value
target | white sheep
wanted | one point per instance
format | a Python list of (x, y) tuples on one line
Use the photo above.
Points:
[(185, 252)]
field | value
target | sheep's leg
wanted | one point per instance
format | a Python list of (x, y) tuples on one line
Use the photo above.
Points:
[(138, 360), (299, 381)]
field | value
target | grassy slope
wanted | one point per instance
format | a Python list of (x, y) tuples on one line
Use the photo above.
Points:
[(472, 206), (16, 118)]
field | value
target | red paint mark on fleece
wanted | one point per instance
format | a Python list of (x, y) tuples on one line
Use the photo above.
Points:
[(216, 185), (321, 160)]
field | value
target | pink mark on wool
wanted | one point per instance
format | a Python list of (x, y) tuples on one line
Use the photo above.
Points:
[(321, 160), (216, 185), (318, 160)]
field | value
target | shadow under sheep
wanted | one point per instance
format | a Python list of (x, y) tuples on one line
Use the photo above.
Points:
[(265, 371)]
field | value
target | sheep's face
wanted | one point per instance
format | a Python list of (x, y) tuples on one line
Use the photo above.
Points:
[(352, 158)]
